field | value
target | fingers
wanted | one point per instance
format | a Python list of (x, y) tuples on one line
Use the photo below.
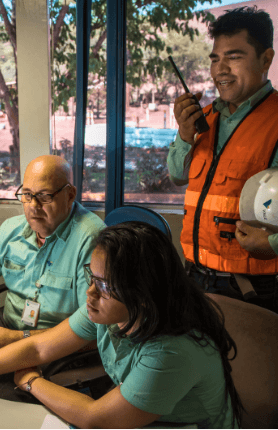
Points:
[(188, 95), (243, 227), (187, 112), (240, 236)]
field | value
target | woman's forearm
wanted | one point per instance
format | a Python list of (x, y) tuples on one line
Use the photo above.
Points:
[(71, 406), (51, 345), (19, 355)]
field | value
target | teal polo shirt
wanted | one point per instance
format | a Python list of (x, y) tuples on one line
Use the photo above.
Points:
[(54, 273), (172, 375), (179, 149)]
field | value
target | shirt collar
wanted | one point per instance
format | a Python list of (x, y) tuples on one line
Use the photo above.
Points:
[(61, 230), (219, 105)]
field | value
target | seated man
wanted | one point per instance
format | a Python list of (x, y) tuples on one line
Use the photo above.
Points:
[(42, 253)]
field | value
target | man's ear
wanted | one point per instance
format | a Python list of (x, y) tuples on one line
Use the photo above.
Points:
[(267, 57), (72, 193)]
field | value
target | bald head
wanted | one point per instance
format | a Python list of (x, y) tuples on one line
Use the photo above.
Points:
[(48, 174), (51, 169)]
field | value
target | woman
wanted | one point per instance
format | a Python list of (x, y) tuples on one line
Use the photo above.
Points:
[(160, 338)]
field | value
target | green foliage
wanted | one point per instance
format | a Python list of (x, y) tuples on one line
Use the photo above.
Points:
[(152, 171), (192, 59), (147, 22)]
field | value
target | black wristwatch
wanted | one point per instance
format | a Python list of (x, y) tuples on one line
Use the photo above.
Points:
[(26, 333)]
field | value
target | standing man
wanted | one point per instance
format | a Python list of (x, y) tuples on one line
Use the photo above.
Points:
[(226, 256), (42, 253)]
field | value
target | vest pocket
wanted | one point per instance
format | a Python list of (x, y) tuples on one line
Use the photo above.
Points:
[(231, 249), (234, 171), (196, 167), (223, 242)]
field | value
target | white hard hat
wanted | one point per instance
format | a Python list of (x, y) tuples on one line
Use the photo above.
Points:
[(258, 203)]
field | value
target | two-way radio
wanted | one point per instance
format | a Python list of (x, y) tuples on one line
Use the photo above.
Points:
[(201, 123)]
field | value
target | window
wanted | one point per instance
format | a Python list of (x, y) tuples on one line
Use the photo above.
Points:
[(63, 77), (149, 125), (9, 128), (151, 90), (94, 167)]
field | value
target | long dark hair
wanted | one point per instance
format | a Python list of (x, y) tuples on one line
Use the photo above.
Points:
[(144, 271)]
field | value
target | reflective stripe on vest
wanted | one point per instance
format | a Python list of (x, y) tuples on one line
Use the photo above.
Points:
[(213, 203)]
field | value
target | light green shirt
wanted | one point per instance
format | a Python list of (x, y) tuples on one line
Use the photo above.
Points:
[(54, 271), (179, 158), (172, 376)]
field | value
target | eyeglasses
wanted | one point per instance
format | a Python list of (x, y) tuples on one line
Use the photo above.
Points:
[(101, 285), (42, 198)]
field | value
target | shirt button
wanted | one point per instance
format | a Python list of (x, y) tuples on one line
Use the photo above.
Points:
[(38, 285)]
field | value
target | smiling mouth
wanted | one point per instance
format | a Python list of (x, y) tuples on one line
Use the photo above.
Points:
[(225, 83)]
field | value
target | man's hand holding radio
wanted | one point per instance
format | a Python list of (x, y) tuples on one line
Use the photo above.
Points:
[(186, 113)]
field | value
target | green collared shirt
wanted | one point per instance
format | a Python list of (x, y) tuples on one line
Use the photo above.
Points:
[(54, 273), (172, 376), (179, 158)]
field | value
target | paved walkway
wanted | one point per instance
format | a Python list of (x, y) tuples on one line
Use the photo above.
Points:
[(63, 128)]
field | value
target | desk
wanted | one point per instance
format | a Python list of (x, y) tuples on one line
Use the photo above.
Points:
[(17, 415)]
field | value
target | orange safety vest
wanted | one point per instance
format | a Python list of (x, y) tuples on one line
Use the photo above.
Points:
[(215, 183)]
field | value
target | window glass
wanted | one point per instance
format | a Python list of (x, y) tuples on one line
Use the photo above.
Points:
[(63, 77), (151, 90), (63, 83), (9, 130), (95, 131)]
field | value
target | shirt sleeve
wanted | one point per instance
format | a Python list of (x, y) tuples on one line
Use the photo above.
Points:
[(275, 160), (273, 241), (273, 238), (81, 325), (159, 381), (179, 159)]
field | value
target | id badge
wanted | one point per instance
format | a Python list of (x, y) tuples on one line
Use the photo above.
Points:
[(30, 313)]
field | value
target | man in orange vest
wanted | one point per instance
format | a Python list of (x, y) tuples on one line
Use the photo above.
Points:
[(223, 254)]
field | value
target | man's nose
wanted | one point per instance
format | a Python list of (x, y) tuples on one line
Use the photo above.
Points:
[(35, 203), (223, 66)]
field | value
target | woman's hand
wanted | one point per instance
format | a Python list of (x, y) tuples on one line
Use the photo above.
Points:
[(21, 377)]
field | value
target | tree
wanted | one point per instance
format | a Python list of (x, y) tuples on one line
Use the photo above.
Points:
[(146, 20), (192, 59), (10, 95)]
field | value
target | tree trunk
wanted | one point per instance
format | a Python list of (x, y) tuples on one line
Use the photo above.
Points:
[(10, 102)]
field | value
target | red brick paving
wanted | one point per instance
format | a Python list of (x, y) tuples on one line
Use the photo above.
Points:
[(63, 128)]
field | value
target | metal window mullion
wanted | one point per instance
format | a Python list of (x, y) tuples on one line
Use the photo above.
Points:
[(83, 27), (116, 54)]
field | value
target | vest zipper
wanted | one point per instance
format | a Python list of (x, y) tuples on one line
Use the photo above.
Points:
[(199, 207), (218, 220)]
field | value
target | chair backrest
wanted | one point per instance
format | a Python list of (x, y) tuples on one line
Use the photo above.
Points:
[(137, 213), (255, 369)]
